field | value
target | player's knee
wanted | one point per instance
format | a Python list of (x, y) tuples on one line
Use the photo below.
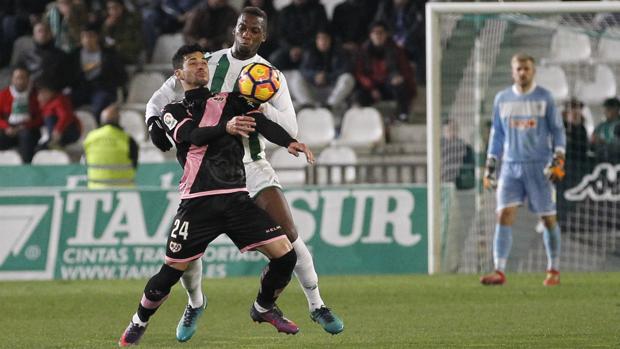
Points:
[(160, 284), (284, 264)]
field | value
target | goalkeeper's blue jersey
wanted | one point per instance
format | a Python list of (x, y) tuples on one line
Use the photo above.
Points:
[(526, 126)]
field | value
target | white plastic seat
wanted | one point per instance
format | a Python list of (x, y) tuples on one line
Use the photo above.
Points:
[(316, 127), (290, 169), (337, 157), (141, 89), (165, 47), (51, 157), (609, 46), (553, 78), (568, 46), (150, 156), (602, 87), (10, 157), (88, 121), (133, 123), (361, 128)]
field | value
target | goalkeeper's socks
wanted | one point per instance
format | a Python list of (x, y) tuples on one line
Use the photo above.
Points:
[(552, 240), (502, 243)]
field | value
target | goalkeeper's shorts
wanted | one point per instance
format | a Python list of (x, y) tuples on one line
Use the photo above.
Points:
[(519, 181)]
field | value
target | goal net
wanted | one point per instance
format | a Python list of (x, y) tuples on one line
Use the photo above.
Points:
[(577, 51)]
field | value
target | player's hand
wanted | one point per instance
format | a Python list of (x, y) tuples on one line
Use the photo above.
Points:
[(158, 134), (295, 148), (241, 126), (555, 170), (489, 181)]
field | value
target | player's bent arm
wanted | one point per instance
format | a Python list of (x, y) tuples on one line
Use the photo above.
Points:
[(496, 138), (280, 109), (160, 98), (271, 130)]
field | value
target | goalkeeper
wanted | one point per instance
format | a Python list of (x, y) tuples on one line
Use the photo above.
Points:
[(528, 136)]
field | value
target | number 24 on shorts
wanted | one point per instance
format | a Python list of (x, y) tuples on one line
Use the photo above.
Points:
[(184, 226)]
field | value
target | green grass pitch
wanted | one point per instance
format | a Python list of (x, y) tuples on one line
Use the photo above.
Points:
[(406, 311)]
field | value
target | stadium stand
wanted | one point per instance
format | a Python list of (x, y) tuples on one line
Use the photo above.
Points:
[(340, 170), (601, 87), (150, 156), (10, 157), (290, 169), (362, 128), (553, 78), (165, 47), (569, 47), (316, 127), (51, 157), (133, 123), (141, 88)]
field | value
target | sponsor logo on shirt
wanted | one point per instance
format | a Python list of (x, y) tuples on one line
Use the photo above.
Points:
[(523, 124)]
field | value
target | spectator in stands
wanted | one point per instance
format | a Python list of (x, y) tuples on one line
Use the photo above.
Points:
[(457, 157), (383, 72), (59, 120), (577, 162), (101, 72), (297, 22), (111, 154), (605, 144), (20, 116), (211, 25), (269, 46), (16, 19), (66, 18), (45, 58), (327, 79), (121, 30), (350, 22), (407, 25)]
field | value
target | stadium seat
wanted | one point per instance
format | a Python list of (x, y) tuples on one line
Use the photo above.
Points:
[(290, 169), (568, 46), (602, 87), (361, 128), (337, 157), (141, 89), (10, 157), (133, 123), (316, 127), (150, 156), (553, 78), (88, 121), (609, 46), (165, 47), (51, 157)]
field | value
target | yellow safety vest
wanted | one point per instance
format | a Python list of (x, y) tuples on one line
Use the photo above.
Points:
[(107, 158)]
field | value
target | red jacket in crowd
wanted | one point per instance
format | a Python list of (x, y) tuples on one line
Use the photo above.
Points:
[(6, 104)]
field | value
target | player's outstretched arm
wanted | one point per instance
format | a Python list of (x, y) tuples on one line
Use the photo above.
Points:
[(280, 109)]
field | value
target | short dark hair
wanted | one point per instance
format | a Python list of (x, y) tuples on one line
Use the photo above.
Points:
[(177, 59), (256, 12), (378, 23), (612, 102)]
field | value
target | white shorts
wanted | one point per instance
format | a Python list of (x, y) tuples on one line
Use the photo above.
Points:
[(260, 175)]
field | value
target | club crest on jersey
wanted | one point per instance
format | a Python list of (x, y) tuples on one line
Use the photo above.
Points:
[(170, 121), (175, 247)]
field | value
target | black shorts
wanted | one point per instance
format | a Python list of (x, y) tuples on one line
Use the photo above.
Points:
[(200, 220)]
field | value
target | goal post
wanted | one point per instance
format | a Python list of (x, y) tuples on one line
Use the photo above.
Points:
[(471, 92)]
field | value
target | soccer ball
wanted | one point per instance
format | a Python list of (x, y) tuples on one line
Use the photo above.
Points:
[(259, 82)]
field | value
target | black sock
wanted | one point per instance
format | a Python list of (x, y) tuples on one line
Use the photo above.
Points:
[(157, 290), (274, 279)]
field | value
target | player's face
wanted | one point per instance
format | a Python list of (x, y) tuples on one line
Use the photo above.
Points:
[(195, 71), (249, 35), (523, 73)]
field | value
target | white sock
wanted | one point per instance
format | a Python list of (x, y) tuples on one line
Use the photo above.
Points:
[(259, 308), (306, 275), (136, 320), (192, 281)]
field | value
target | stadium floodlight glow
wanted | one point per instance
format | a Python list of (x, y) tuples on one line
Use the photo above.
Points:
[(434, 75)]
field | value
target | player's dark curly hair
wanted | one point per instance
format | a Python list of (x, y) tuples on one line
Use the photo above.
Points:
[(177, 59), (256, 12)]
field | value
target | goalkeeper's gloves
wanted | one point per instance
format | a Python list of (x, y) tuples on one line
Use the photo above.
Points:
[(555, 170), (158, 134), (490, 179)]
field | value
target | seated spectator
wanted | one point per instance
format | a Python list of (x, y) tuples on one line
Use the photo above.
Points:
[(383, 72), (101, 72), (350, 22), (45, 58), (66, 18), (297, 22), (16, 19), (59, 120), (269, 46), (20, 116), (605, 144), (121, 31), (111, 154), (457, 158), (326, 75), (211, 25)]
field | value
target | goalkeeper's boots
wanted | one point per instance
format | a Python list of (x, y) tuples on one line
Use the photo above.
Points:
[(553, 278), (189, 321), (330, 322), (132, 335), (275, 317), (495, 278)]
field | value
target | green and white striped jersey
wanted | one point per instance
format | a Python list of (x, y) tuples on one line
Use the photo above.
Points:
[(224, 70)]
